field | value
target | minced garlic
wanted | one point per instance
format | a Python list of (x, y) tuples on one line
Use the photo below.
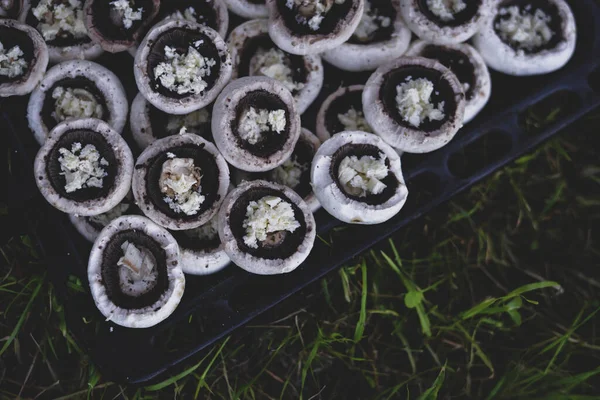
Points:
[(274, 63), (353, 120), (82, 167), (414, 103), (445, 9), (128, 14), (268, 215), (362, 176), (72, 103), (12, 62), (254, 123), (180, 182), (184, 73), (138, 272), (60, 19), (526, 29)]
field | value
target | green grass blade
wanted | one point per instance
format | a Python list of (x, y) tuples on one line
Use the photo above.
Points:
[(360, 326), (433, 391), (531, 287)]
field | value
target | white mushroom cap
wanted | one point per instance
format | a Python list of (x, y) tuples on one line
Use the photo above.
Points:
[(90, 230), (140, 177), (312, 63), (286, 39), (335, 201), (204, 262), (311, 139), (37, 67), (218, 6), (168, 301), (139, 122), (403, 137), (433, 31), (121, 179), (82, 50), (482, 89), (256, 264), (188, 103), (502, 57), (224, 113), (107, 83), (368, 56), (247, 9), (322, 131)]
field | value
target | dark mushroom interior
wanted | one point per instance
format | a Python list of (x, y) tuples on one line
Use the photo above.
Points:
[(304, 153), (204, 9), (330, 24), (460, 18), (262, 99), (457, 61), (63, 39), (181, 39), (159, 121), (10, 8), (110, 271), (209, 182), (109, 22), (341, 105), (442, 92), (279, 245), (360, 150), (13, 37), (85, 137), (382, 8)]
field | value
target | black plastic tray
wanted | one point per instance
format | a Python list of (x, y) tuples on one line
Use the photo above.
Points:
[(214, 306)]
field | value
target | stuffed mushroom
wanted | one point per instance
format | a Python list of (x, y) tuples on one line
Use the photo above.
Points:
[(381, 36), (527, 37), (211, 13), (445, 21), (84, 167), (134, 272), (266, 228), (180, 181), (62, 25), (181, 66), (357, 178), (90, 227), (76, 89), (312, 26), (254, 53), (256, 123), (415, 104), (342, 111), (23, 58), (467, 65)]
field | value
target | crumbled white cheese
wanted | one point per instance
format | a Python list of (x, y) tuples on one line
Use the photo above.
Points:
[(354, 121), (192, 120), (362, 176), (274, 64), (128, 14), (12, 62), (445, 9), (170, 155), (184, 73), (311, 12), (72, 103), (107, 217), (289, 173), (208, 231), (60, 19), (523, 28), (268, 215), (414, 102), (180, 182), (254, 123), (370, 23), (138, 272), (82, 167), (189, 14)]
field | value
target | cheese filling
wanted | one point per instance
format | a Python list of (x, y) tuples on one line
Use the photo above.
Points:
[(414, 102), (289, 173), (184, 73), (126, 13), (180, 183), (353, 120), (72, 103), (370, 23), (189, 14), (445, 9), (82, 167), (525, 29), (192, 120), (12, 62), (254, 124), (60, 18), (274, 63), (361, 176), (311, 12), (138, 272), (267, 216), (114, 213)]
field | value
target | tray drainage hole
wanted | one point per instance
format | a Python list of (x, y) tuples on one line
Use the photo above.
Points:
[(594, 79), (256, 291), (479, 154), (423, 188), (537, 117)]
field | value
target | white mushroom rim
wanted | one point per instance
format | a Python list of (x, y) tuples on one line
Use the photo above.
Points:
[(72, 103), (191, 121), (184, 73), (354, 120), (114, 213), (254, 124), (59, 18), (370, 23), (311, 12), (138, 270), (82, 167), (414, 102), (127, 13), (446, 9), (208, 231), (274, 63), (12, 62), (525, 29), (180, 183), (361, 176), (268, 215)]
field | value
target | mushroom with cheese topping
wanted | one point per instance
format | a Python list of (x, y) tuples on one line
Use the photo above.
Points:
[(210, 13), (342, 111)]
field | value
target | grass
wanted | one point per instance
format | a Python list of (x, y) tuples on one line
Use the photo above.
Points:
[(493, 296)]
